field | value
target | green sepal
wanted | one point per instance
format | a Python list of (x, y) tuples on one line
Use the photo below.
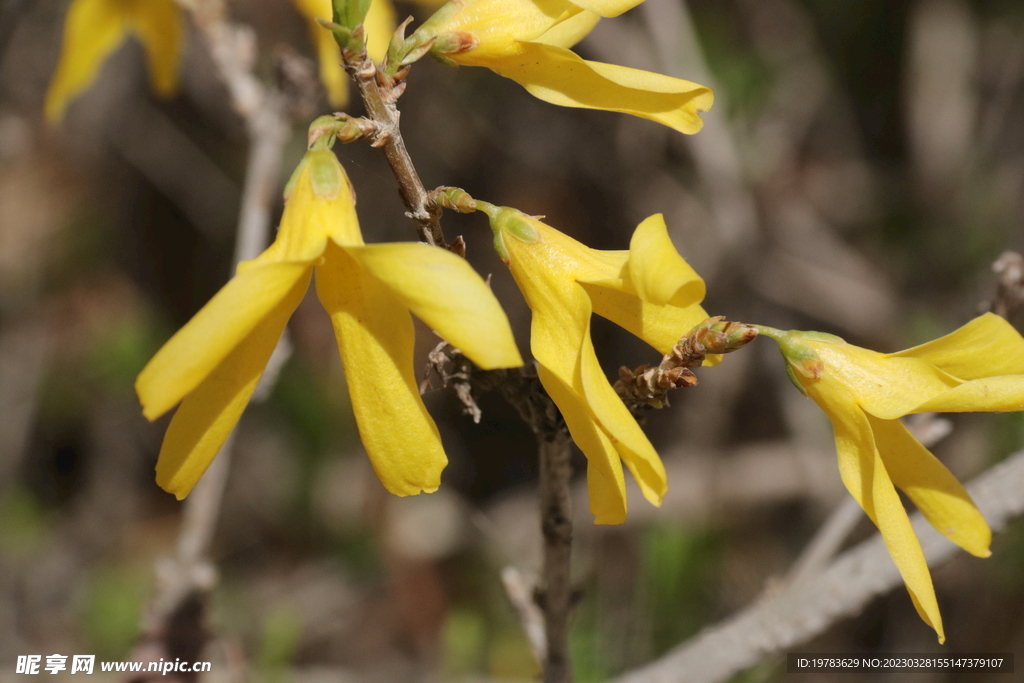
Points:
[(324, 173), (294, 178), (499, 246), (439, 18), (791, 374), (800, 357), (822, 336)]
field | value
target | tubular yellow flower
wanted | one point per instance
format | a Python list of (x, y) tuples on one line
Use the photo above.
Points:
[(528, 41), (649, 290), (93, 29), (379, 26), (979, 367), (212, 365)]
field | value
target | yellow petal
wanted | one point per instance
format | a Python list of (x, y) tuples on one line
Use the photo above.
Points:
[(608, 8), (199, 347), (659, 326), (615, 419), (867, 480), (561, 77), (208, 414), (984, 347), (92, 29), (570, 31), (379, 25), (375, 337), (659, 274), (561, 322), (498, 24), (990, 395), (158, 26), (560, 339), (606, 485), (932, 487), (886, 387), (445, 292)]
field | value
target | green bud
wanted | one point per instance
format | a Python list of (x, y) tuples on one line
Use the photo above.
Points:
[(454, 198), (342, 34), (350, 13)]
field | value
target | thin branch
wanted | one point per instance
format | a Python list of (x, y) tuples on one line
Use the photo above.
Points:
[(800, 612), (530, 615), (380, 105), (555, 597), (187, 576), (1010, 289)]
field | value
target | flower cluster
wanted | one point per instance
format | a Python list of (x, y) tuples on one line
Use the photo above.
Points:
[(370, 291)]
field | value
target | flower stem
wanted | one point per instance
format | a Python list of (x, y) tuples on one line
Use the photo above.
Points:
[(556, 525)]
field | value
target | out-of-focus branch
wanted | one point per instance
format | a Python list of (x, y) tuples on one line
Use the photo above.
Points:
[(233, 49), (800, 612), (530, 615), (1010, 289), (188, 575), (555, 595)]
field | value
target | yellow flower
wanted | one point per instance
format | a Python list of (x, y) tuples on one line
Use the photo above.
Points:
[(379, 25), (92, 31), (213, 363), (528, 41), (979, 367), (649, 290)]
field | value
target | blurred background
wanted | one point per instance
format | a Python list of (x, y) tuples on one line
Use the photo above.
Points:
[(862, 169)]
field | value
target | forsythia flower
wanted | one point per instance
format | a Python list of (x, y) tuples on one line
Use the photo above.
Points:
[(212, 365), (379, 25), (528, 41), (649, 290), (979, 367), (92, 31)]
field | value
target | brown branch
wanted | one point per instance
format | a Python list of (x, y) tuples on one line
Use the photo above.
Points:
[(379, 94), (523, 390), (1010, 288), (555, 595)]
